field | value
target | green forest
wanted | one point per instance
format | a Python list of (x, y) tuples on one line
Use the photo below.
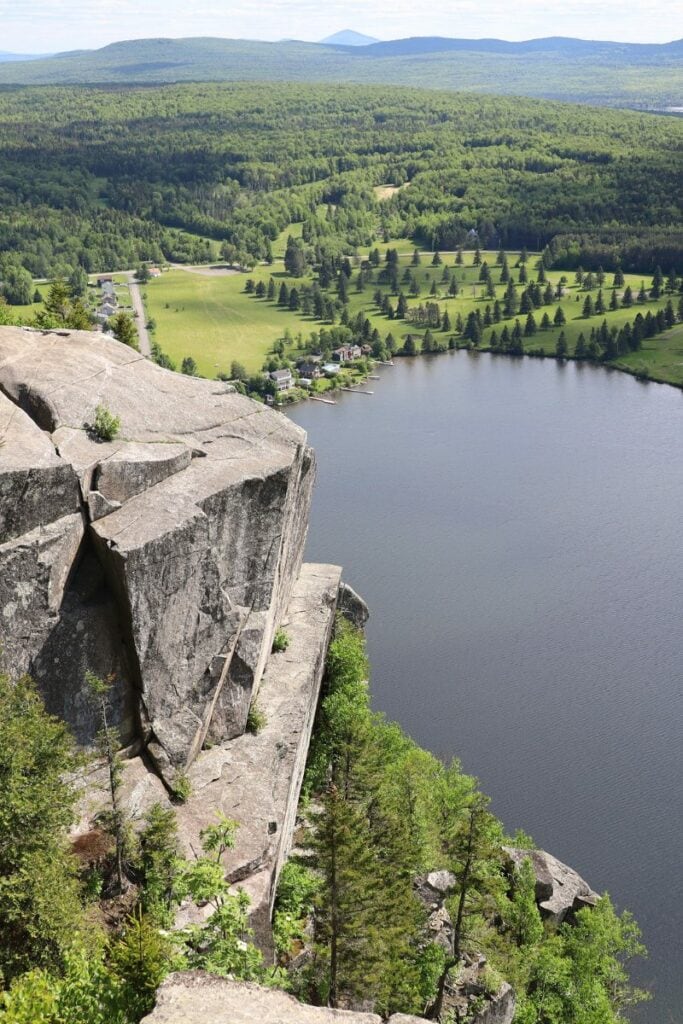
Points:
[(102, 178)]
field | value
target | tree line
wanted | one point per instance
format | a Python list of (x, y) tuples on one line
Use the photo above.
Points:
[(101, 179)]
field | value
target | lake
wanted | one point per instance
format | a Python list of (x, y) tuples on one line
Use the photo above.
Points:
[(515, 527)]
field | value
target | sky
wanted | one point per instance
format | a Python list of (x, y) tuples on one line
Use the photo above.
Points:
[(48, 26)]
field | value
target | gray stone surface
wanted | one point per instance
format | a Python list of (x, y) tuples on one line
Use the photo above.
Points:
[(257, 779), (194, 997), (500, 1009), (197, 512), (30, 469), (560, 891)]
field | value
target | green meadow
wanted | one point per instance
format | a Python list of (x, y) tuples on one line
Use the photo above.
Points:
[(213, 319)]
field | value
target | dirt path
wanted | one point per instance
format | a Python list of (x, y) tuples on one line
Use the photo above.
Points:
[(140, 318), (206, 271)]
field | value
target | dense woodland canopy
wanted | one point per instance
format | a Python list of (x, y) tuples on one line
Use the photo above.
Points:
[(102, 178)]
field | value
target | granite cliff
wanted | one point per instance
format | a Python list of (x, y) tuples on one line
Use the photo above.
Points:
[(165, 560)]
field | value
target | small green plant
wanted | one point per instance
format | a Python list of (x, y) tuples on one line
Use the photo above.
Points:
[(106, 424), (280, 641), (256, 719), (182, 788)]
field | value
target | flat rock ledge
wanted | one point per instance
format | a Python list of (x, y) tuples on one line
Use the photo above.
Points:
[(198, 998), (255, 779)]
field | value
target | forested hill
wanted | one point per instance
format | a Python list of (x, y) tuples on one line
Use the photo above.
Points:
[(611, 74), (103, 177)]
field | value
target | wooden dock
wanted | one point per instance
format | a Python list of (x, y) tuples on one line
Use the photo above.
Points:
[(325, 401), (355, 391)]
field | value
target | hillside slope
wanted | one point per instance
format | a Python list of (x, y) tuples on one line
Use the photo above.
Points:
[(611, 74)]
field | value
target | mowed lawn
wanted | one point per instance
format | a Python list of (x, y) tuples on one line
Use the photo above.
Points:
[(215, 322)]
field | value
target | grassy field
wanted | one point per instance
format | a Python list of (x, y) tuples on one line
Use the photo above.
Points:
[(215, 321)]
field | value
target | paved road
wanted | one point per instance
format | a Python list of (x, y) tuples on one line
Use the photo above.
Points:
[(140, 318)]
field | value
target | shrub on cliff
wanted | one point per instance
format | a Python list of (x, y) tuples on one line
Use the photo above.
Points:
[(106, 425)]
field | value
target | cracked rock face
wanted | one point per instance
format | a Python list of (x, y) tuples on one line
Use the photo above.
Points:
[(163, 559)]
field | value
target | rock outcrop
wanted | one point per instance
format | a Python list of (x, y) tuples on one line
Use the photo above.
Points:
[(560, 891), (163, 559), (195, 996), (253, 779)]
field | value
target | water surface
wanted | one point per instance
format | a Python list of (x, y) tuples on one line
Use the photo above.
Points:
[(515, 528)]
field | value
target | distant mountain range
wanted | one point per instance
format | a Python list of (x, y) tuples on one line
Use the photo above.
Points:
[(348, 38), (646, 76), (4, 56)]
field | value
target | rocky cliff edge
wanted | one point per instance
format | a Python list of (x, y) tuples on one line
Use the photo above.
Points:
[(163, 560)]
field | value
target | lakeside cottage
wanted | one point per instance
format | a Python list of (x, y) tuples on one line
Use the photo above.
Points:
[(310, 371), (283, 379), (346, 353)]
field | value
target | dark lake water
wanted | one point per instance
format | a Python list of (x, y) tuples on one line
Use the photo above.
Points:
[(515, 527)]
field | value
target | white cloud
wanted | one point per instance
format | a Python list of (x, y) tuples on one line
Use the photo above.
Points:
[(49, 25)]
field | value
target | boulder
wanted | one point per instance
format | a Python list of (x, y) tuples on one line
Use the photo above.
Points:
[(560, 891), (196, 512), (194, 996)]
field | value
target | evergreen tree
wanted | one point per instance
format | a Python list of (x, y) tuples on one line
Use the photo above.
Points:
[(39, 908), (525, 919), (510, 302), (123, 328), (588, 310), (657, 283), (295, 261), (618, 277), (561, 348)]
